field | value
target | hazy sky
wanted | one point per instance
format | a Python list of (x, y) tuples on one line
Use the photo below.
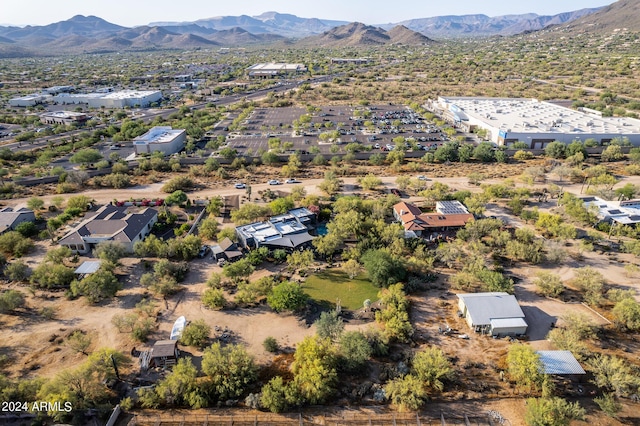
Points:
[(141, 12)]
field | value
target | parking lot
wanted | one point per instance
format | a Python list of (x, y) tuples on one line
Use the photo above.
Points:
[(374, 127)]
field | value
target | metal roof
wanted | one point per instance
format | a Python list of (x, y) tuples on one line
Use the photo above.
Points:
[(560, 362), (88, 267), (484, 307), (508, 323)]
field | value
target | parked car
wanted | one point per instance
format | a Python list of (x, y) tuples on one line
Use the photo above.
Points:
[(203, 251), (422, 177), (274, 182), (396, 191), (240, 185), (293, 180)]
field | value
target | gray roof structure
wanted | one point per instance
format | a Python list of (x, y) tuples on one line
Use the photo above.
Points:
[(164, 349), (88, 267), (485, 307), (289, 230), (560, 363), (9, 217), (115, 223)]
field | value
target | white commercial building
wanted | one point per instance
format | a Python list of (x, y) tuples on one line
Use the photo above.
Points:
[(28, 100), (121, 99), (160, 138), (537, 123), (275, 69)]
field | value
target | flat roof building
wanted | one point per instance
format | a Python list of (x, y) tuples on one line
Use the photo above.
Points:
[(121, 99), (273, 69), (161, 138), (496, 314), (622, 212), (29, 100), (63, 117), (287, 231), (536, 123)]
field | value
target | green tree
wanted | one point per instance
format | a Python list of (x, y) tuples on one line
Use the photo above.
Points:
[(552, 412), (524, 367), (110, 251), (612, 153), (406, 393), (177, 197), (287, 296), (555, 150), (314, 370), (249, 213), (98, 286), (352, 268), (281, 205), (614, 374), (86, 156), (35, 203), (52, 276), (196, 334), (239, 270), (354, 350), (17, 271), (208, 228), (11, 300), (213, 298), (276, 396), (329, 325), (608, 404), (230, 370), (382, 268), (626, 314), (484, 152), (270, 344), (431, 366), (370, 182), (14, 243), (300, 260), (79, 342), (179, 388), (548, 284)]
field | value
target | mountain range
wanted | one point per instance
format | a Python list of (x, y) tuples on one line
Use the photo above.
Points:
[(92, 34)]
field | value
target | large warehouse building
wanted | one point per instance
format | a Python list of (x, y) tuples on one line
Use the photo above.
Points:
[(122, 99), (161, 138), (537, 123), (275, 69)]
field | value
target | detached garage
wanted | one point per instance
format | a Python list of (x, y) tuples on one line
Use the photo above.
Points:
[(495, 314)]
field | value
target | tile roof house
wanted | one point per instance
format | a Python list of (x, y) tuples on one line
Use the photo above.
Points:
[(10, 218), (110, 223), (448, 215)]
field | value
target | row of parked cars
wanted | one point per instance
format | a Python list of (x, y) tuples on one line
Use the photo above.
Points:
[(241, 185)]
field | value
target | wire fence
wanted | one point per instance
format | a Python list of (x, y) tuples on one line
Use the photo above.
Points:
[(490, 418)]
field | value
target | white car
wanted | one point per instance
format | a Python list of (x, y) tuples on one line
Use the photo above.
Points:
[(292, 181), (274, 182), (240, 185), (422, 177)]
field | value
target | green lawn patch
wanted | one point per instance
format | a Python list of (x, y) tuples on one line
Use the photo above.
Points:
[(334, 284)]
